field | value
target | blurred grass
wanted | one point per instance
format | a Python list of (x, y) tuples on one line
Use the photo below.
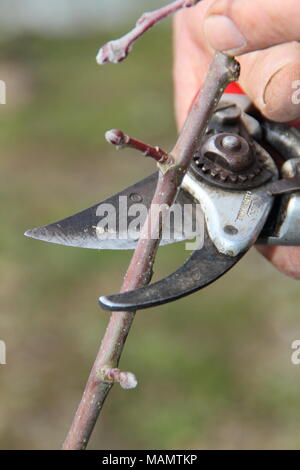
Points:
[(214, 369)]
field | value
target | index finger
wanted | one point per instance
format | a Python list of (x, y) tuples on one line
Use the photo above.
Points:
[(240, 26)]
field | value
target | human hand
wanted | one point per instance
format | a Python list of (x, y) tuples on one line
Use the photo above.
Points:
[(264, 34)]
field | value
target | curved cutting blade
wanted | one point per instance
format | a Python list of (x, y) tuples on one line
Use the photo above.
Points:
[(88, 228), (202, 268)]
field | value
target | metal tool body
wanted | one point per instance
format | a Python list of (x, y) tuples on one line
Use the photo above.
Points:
[(243, 197)]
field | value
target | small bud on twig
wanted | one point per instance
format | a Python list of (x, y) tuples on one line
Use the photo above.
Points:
[(118, 138), (127, 380), (115, 51)]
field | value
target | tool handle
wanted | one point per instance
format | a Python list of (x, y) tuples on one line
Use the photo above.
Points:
[(235, 89)]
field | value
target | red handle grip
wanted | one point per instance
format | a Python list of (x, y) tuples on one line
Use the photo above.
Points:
[(234, 88)]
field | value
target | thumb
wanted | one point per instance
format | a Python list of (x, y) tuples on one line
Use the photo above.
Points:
[(240, 26)]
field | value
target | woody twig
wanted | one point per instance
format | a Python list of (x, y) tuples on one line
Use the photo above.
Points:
[(117, 50), (105, 372)]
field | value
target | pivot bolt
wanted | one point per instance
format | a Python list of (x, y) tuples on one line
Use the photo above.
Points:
[(231, 143)]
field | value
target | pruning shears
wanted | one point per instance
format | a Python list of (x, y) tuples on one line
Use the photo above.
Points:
[(244, 196)]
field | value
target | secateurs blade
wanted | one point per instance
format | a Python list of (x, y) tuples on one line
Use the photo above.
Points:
[(232, 197)]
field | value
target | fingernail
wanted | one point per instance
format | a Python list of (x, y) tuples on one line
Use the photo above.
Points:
[(223, 35), (278, 94)]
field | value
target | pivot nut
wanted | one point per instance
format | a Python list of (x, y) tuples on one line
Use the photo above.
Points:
[(230, 161), (229, 151)]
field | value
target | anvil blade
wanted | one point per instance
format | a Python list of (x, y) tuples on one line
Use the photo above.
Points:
[(204, 266)]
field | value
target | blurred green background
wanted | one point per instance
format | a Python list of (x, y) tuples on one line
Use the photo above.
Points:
[(214, 369)]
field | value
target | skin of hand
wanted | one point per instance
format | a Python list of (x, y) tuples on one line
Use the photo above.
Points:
[(265, 35)]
